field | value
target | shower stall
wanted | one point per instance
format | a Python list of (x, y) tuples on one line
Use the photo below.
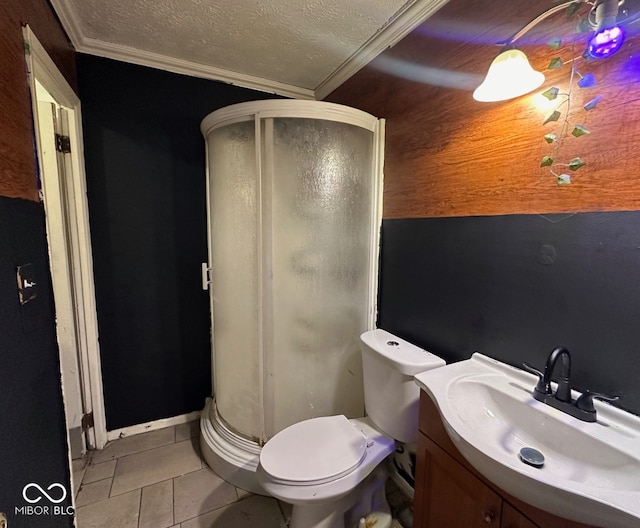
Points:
[(294, 208)]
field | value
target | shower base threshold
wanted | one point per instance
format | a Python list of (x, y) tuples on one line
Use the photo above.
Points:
[(231, 457)]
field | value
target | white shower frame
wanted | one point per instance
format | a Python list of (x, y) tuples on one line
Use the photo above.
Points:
[(235, 458)]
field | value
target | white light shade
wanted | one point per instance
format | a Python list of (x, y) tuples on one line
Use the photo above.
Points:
[(510, 75)]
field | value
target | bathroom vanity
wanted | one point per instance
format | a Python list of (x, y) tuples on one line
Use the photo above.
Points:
[(449, 492)]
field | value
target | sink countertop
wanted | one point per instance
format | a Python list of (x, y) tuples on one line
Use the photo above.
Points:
[(592, 470)]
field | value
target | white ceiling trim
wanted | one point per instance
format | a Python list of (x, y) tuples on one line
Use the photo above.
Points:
[(402, 24), (65, 14), (100, 48), (162, 62)]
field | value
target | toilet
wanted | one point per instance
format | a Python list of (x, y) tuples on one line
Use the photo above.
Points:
[(330, 468)]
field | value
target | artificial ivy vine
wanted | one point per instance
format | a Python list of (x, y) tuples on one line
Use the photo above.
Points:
[(561, 114)]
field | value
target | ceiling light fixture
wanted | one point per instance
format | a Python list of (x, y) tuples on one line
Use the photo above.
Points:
[(510, 74)]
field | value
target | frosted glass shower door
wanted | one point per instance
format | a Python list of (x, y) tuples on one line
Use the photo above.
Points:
[(320, 175), (235, 272)]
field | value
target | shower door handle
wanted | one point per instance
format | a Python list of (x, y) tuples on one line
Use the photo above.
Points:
[(206, 280)]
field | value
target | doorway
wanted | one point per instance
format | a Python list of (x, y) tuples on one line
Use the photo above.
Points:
[(58, 143)]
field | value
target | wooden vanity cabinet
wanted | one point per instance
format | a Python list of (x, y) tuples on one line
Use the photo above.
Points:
[(512, 518), (450, 493)]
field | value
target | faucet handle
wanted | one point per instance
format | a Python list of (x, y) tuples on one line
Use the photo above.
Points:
[(585, 400), (541, 386)]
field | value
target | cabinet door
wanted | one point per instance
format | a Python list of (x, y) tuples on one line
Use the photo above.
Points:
[(448, 495), (512, 518)]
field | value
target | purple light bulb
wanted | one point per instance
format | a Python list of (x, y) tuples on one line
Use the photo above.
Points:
[(606, 42)]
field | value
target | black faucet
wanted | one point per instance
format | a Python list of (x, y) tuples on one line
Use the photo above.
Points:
[(582, 408), (563, 392)]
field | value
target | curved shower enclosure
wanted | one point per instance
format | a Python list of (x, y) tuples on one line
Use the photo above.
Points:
[(294, 207)]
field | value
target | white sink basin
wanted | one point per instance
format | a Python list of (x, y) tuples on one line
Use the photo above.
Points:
[(591, 471)]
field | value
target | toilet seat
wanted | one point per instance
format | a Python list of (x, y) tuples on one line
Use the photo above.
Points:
[(314, 451)]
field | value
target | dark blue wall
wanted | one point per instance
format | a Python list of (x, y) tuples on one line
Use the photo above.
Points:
[(145, 165), (515, 287), (33, 446)]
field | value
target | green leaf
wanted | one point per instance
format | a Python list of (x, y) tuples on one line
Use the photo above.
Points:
[(563, 179), (555, 43), (588, 80), (553, 116), (576, 163), (579, 130), (592, 104), (555, 63), (551, 137), (551, 93), (547, 161)]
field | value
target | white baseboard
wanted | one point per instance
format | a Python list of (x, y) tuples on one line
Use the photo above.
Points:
[(152, 426)]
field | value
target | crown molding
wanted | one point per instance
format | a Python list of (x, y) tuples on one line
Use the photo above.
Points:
[(194, 69), (68, 20), (404, 22), (108, 50)]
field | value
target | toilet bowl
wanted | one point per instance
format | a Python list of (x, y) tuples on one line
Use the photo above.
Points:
[(318, 464), (330, 468)]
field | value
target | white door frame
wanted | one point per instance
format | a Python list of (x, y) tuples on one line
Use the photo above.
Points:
[(53, 177), (41, 67)]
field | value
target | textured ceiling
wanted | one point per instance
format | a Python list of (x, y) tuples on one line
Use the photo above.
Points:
[(300, 48)]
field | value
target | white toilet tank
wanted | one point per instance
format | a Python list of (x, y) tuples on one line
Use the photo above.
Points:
[(390, 394)]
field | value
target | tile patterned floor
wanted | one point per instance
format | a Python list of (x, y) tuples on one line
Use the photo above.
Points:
[(158, 480)]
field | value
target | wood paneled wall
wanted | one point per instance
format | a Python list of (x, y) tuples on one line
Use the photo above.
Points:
[(17, 160), (448, 155)]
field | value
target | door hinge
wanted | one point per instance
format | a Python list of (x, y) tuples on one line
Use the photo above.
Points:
[(63, 144), (87, 421), (206, 278)]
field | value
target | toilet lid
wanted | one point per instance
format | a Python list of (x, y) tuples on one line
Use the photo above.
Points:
[(314, 451)]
